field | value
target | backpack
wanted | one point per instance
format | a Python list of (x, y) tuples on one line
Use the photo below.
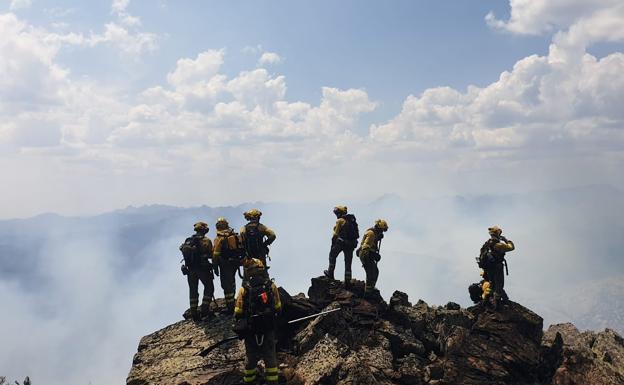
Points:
[(232, 247), (191, 250), (486, 256), (350, 231), (476, 291), (260, 303), (254, 240)]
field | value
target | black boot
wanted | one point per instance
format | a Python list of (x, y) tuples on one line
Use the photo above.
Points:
[(329, 274), (205, 312)]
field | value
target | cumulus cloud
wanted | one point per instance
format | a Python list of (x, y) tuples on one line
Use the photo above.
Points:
[(565, 97), (201, 117), (533, 17), (269, 58)]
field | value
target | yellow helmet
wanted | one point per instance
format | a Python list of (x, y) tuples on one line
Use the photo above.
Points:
[(381, 224), (252, 214), (495, 230), (222, 224), (252, 266), (340, 210), (201, 227)]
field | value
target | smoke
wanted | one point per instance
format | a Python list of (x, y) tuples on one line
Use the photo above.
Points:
[(79, 293)]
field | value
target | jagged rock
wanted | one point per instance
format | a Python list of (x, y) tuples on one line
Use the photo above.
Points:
[(582, 359), (496, 347), (369, 342), (189, 353)]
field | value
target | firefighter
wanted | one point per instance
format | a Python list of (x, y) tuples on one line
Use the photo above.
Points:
[(257, 306), (256, 236), (197, 253), (344, 240), (228, 252), (369, 254)]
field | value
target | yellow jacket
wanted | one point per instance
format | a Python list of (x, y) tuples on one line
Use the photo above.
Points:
[(239, 307), (370, 241), (504, 246), (338, 226), (220, 239)]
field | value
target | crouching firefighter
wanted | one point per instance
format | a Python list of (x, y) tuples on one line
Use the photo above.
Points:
[(492, 261), (369, 254), (256, 236), (228, 253), (197, 252), (344, 239), (257, 306)]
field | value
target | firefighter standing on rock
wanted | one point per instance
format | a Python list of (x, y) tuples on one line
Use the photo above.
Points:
[(257, 306), (256, 236)]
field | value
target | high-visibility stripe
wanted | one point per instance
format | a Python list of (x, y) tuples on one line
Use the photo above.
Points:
[(249, 379), (271, 370), (249, 372), (272, 378), (229, 295), (238, 310)]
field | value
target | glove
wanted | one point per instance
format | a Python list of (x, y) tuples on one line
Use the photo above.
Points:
[(377, 257), (185, 269), (215, 268)]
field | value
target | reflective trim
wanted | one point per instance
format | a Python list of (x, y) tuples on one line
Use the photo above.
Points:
[(238, 310), (271, 370), (249, 379), (272, 378), (249, 372)]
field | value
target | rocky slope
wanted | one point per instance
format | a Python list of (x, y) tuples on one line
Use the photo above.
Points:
[(373, 342)]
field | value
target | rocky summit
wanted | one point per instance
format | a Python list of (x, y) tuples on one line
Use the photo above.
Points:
[(370, 342)]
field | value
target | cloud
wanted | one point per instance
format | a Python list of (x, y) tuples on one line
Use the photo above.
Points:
[(269, 58), (202, 120), (192, 73), (547, 102), (534, 17)]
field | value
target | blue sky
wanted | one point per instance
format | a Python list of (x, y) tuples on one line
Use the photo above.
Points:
[(144, 98)]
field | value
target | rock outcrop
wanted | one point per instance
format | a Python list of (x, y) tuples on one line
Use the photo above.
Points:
[(371, 342)]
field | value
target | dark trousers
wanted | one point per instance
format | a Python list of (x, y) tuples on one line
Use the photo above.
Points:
[(204, 275), (261, 347), (336, 249), (372, 271), (227, 275), (496, 275)]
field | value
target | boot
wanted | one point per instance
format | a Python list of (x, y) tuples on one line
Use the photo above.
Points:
[(205, 312), (194, 314), (329, 274)]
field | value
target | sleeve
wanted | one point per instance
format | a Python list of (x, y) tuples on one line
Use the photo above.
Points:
[(505, 246), (368, 242), (240, 302), (276, 296), (242, 233), (270, 234), (338, 226), (216, 255)]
